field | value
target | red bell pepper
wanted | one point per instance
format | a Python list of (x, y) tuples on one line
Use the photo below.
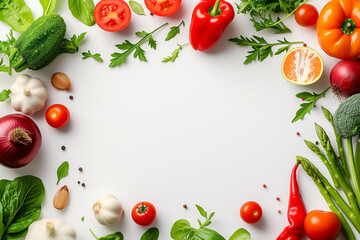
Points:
[(209, 20)]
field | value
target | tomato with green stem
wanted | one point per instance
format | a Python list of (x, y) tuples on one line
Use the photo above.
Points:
[(112, 15), (251, 212), (57, 115), (143, 213), (306, 15), (163, 8), (322, 225)]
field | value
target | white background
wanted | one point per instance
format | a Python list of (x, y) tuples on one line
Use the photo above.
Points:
[(204, 130)]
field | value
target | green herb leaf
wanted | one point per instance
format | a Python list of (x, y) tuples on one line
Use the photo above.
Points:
[(82, 218), (120, 58), (4, 68), (240, 234), (72, 45), (136, 7), (175, 30), (201, 211), (306, 107), (83, 10), (96, 56), (16, 13), (62, 171), (151, 234), (48, 6), (181, 229), (209, 234), (113, 236), (6, 45), (175, 54), (5, 94)]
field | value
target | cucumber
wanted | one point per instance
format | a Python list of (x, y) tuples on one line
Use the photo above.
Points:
[(40, 44)]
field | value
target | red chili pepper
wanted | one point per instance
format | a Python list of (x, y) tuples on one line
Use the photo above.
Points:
[(208, 22), (296, 212)]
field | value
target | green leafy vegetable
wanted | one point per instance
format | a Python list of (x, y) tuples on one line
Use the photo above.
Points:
[(83, 10), (5, 94), (113, 236), (20, 205), (62, 171), (120, 58), (96, 56), (151, 234), (48, 6), (16, 13), (262, 13), (182, 230), (175, 54), (311, 99), (175, 30), (261, 48), (72, 45), (136, 7), (241, 234)]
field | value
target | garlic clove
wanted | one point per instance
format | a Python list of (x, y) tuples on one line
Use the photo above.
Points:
[(61, 198), (61, 81), (108, 210)]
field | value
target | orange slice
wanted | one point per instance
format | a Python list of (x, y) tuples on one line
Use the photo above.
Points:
[(302, 66)]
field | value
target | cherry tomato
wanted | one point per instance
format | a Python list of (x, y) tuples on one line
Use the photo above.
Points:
[(112, 15), (306, 15), (321, 225), (250, 212), (143, 213), (163, 7), (57, 116)]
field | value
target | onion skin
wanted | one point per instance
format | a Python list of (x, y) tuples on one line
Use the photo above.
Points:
[(345, 78), (16, 154)]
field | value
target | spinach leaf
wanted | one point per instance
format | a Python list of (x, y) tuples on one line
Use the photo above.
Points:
[(62, 171), (48, 6), (21, 205), (113, 236), (83, 10), (151, 234), (16, 13)]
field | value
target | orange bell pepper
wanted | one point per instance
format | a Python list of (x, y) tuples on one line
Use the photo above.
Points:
[(337, 28)]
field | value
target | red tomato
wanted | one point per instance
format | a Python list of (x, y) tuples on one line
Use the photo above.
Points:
[(163, 7), (57, 116), (250, 212), (321, 225), (143, 213), (306, 15), (112, 15)]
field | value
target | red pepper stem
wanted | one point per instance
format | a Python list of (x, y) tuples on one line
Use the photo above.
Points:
[(215, 10)]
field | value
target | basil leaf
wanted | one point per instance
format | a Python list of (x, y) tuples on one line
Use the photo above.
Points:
[(136, 7), (62, 171), (113, 236), (201, 211), (16, 13), (151, 234), (180, 229), (48, 6), (209, 234), (240, 234), (83, 10), (5, 94)]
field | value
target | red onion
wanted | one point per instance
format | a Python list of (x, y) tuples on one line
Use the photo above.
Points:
[(345, 78), (20, 140)]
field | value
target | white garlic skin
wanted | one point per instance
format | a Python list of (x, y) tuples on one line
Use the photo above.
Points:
[(108, 210)]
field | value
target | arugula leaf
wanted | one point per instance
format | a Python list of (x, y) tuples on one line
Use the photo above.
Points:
[(62, 171), (72, 45), (175, 30), (305, 108), (96, 56), (48, 6), (261, 48), (120, 58), (136, 7), (5, 94), (83, 10), (240, 234), (175, 54), (16, 13), (151, 234)]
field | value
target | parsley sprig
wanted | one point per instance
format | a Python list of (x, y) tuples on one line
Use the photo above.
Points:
[(72, 45), (261, 48), (96, 56), (5, 47), (5, 94)]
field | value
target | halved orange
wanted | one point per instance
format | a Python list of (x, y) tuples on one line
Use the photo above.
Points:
[(302, 66)]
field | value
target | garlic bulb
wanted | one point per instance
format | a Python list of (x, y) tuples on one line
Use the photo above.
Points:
[(108, 209), (50, 228)]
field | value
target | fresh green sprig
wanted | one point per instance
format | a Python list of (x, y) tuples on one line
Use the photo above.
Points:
[(175, 30), (311, 99), (112, 236), (120, 58), (5, 94), (175, 54), (73, 44), (261, 48), (96, 56)]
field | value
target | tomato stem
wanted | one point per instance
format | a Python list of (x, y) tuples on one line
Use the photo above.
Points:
[(20, 135), (142, 208), (348, 26), (215, 10)]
